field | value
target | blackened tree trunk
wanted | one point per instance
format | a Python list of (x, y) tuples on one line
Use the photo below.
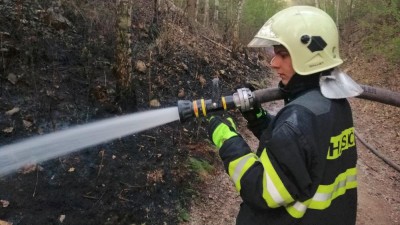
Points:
[(126, 97)]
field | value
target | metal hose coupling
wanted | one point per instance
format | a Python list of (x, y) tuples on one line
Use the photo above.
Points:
[(243, 99)]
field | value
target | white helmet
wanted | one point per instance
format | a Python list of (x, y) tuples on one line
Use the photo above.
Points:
[(308, 33)]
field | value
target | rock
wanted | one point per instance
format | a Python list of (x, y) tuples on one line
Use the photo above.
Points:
[(141, 66), (12, 111), (202, 81), (155, 103), (181, 93), (12, 78)]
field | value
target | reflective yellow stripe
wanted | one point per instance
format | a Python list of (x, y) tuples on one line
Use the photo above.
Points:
[(274, 191), (239, 166), (223, 102), (325, 194), (203, 107), (221, 134), (232, 122)]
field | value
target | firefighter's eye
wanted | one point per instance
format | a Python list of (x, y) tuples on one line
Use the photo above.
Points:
[(282, 54)]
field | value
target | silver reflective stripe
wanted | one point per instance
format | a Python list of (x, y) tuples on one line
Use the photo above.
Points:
[(273, 191), (239, 167), (300, 207), (321, 200), (351, 178), (320, 197)]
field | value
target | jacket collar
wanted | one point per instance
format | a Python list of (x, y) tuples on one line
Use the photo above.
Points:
[(297, 85)]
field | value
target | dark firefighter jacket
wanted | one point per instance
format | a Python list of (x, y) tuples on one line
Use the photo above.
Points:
[(304, 171)]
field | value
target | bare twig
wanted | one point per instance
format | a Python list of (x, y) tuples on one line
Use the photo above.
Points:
[(141, 147), (37, 178), (120, 197), (216, 43), (62, 164), (101, 162), (90, 197), (132, 186), (95, 198), (148, 136), (150, 94)]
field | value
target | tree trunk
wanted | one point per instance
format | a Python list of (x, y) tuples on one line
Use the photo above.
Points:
[(216, 12), (196, 10), (191, 10), (236, 25), (337, 13), (317, 3), (123, 67), (206, 10), (227, 33), (351, 9)]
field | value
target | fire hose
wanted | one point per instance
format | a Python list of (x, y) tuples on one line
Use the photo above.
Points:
[(244, 99)]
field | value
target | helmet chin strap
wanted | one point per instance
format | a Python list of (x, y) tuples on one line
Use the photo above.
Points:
[(338, 85)]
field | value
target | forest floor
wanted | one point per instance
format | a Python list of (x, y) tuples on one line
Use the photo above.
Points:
[(57, 73)]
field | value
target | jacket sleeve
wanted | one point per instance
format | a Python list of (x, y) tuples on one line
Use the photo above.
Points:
[(277, 176)]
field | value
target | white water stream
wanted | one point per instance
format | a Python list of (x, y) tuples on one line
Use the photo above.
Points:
[(37, 149)]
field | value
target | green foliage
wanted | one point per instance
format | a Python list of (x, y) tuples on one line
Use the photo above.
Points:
[(183, 215), (201, 167), (394, 54), (380, 20)]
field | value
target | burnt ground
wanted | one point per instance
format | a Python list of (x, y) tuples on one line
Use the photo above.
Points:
[(56, 74)]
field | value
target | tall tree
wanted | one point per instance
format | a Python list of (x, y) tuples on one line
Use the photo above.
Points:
[(236, 23), (317, 3), (191, 9), (216, 11), (337, 12), (351, 9), (123, 67), (206, 12), (196, 10)]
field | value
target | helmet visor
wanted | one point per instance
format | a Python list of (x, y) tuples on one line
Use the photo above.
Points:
[(261, 42)]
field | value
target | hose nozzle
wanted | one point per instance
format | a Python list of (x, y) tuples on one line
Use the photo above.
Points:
[(242, 99)]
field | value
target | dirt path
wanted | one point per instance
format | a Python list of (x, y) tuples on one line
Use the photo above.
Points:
[(379, 184)]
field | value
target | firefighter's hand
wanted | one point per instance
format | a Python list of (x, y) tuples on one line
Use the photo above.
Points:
[(221, 129), (257, 112), (254, 114)]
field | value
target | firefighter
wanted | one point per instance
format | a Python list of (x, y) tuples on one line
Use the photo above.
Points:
[(304, 170)]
